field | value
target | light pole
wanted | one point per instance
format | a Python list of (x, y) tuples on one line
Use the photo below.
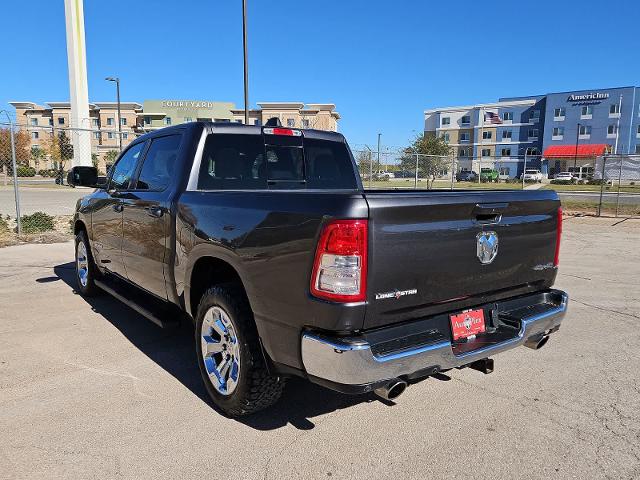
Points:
[(575, 157), (246, 65), (15, 174), (379, 135), (117, 80), (526, 152)]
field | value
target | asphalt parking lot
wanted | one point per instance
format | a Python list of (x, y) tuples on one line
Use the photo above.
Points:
[(92, 390)]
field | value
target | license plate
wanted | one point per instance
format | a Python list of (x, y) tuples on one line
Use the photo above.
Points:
[(467, 324)]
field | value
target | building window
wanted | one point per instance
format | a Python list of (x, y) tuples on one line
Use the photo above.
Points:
[(506, 152), (587, 111), (464, 152), (125, 135), (614, 109), (464, 137), (123, 121), (533, 133), (257, 121), (445, 121), (507, 116), (585, 131), (638, 132), (505, 171), (60, 120), (147, 120), (486, 152), (558, 133), (466, 120), (611, 130), (34, 122), (167, 120), (51, 122), (305, 123), (291, 122), (486, 135), (110, 135), (35, 135), (94, 122), (110, 121), (506, 134), (559, 113), (96, 135), (445, 137), (189, 119)]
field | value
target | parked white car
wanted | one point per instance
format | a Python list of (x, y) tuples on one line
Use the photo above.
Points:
[(564, 176), (531, 175), (383, 174)]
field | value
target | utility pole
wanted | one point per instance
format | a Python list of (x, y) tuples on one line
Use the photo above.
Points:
[(526, 152), (575, 157), (117, 81), (246, 64)]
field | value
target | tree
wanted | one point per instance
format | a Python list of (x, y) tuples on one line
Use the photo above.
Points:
[(110, 157), (432, 153), (37, 154), (94, 160), (364, 162), (66, 149), (22, 144)]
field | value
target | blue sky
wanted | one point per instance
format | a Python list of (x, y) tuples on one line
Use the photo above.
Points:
[(381, 63)]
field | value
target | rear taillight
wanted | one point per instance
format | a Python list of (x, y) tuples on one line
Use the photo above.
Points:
[(556, 259), (340, 265)]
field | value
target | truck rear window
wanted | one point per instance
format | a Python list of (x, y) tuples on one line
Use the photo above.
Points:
[(244, 162)]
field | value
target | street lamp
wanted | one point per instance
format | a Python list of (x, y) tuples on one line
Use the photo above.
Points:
[(575, 157), (246, 67), (117, 80)]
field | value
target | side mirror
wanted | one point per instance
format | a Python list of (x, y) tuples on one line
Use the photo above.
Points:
[(83, 177)]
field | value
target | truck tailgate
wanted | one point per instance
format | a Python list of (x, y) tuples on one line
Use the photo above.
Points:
[(423, 250)]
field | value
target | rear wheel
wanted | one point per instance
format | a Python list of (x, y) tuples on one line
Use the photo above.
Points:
[(229, 356)]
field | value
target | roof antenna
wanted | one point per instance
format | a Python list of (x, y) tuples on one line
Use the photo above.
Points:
[(273, 122)]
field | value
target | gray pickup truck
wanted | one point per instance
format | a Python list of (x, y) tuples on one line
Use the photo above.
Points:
[(265, 239)]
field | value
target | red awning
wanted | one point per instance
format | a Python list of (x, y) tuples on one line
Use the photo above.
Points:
[(569, 151)]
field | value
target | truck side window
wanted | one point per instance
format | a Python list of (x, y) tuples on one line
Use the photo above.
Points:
[(159, 163), (124, 169), (233, 162)]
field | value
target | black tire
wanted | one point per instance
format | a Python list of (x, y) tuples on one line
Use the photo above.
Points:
[(256, 389), (86, 288)]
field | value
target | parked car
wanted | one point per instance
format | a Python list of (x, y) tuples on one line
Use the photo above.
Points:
[(489, 175), (383, 174), (532, 175), (467, 176), (564, 176), (266, 241)]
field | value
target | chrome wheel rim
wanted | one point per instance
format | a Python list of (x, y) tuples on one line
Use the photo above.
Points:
[(220, 350), (82, 264)]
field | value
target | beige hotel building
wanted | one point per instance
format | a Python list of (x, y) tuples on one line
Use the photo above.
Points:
[(44, 121)]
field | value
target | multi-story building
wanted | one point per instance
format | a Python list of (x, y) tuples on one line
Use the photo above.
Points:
[(555, 132), (43, 122), (491, 135)]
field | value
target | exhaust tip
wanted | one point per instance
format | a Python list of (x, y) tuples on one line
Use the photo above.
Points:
[(391, 390), (536, 343)]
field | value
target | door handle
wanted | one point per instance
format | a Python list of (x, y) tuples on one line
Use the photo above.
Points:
[(118, 207), (155, 211)]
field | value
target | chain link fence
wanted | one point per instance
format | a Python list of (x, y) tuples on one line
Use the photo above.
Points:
[(611, 186), (36, 203)]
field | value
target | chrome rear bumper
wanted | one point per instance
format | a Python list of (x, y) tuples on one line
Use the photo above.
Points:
[(351, 361)]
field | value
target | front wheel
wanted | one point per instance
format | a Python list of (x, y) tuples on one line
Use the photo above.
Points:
[(86, 270), (229, 356)]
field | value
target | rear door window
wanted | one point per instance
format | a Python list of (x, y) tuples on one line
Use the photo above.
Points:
[(233, 162), (329, 165)]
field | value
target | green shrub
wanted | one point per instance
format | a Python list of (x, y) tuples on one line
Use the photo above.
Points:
[(36, 222), (4, 225), (561, 182), (594, 181), (24, 171)]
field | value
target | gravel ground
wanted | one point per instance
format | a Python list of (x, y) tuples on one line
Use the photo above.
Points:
[(92, 390)]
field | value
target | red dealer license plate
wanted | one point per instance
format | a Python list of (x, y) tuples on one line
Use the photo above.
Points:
[(467, 324)]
